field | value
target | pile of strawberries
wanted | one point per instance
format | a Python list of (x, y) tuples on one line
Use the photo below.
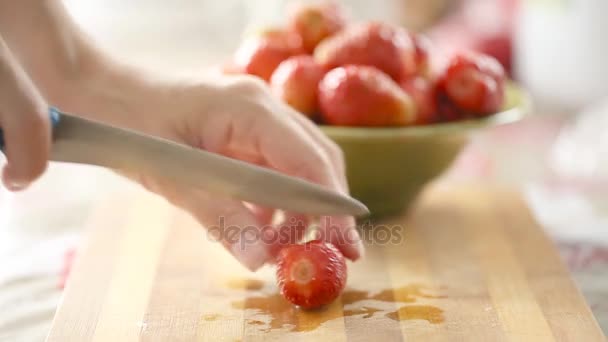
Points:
[(367, 74)]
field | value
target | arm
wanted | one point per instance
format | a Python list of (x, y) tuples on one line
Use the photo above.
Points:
[(70, 71), (233, 116)]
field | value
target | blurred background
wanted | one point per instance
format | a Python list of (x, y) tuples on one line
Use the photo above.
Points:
[(558, 157)]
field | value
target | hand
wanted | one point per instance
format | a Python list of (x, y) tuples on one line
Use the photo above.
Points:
[(232, 116), (25, 124), (238, 118)]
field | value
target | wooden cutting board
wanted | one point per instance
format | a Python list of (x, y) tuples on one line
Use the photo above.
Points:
[(466, 264)]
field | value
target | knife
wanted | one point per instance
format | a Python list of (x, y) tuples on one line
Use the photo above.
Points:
[(78, 140)]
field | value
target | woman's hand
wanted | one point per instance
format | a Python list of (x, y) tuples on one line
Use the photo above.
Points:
[(238, 118), (25, 124)]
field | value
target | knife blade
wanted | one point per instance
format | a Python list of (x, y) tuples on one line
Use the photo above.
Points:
[(78, 140)]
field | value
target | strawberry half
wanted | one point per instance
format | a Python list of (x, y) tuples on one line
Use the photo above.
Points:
[(312, 274)]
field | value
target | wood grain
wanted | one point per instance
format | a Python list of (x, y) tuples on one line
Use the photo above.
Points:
[(465, 264)]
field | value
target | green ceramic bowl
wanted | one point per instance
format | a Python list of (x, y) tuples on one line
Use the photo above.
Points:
[(388, 167)]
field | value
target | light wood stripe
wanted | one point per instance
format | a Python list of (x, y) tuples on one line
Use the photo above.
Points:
[(547, 275), (133, 277), (456, 272), (375, 259), (515, 303), (78, 314), (408, 265)]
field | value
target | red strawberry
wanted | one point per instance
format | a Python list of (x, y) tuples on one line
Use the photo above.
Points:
[(311, 275), (229, 68), (296, 81), (280, 36), (385, 47), (423, 48), (474, 83), (262, 53), (316, 22), (422, 92), (447, 111), (363, 96)]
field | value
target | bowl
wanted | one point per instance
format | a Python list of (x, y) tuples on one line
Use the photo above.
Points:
[(388, 167)]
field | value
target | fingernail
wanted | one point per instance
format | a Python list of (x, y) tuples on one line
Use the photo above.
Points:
[(356, 242), (251, 255), (360, 249), (12, 184), (15, 185)]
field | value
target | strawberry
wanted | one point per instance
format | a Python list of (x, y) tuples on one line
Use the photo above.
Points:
[(380, 45), (363, 96), (447, 111), (422, 92), (474, 83), (316, 22), (262, 53), (296, 81), (290, 40), (311, 275), (422, 46), (230, 68)]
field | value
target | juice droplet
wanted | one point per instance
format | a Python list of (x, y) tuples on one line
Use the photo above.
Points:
[(211, 317), (254, 322), (428, 313), (245, 284), (367, 312), (272, 312)]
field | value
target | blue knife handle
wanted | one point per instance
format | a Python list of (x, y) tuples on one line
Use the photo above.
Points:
[(54, 116)]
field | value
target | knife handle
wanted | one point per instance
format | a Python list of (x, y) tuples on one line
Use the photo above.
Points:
[(54, 117)]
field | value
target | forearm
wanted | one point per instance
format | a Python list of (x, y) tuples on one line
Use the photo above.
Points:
[(71, 72)]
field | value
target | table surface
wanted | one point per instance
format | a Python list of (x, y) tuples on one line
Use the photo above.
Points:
[(467, 263)]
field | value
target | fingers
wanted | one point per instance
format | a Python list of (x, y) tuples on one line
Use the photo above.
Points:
[(27, 145), (293, 151), (334, 152), (25, 124), (264, 215), (307, 156), (227, 221), (288, 232), (231, 223), (342, 232)]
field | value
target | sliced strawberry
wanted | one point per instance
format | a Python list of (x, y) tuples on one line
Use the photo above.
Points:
[(311, 275)]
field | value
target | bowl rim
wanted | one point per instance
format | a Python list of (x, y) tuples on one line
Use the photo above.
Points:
[(519, 108)]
